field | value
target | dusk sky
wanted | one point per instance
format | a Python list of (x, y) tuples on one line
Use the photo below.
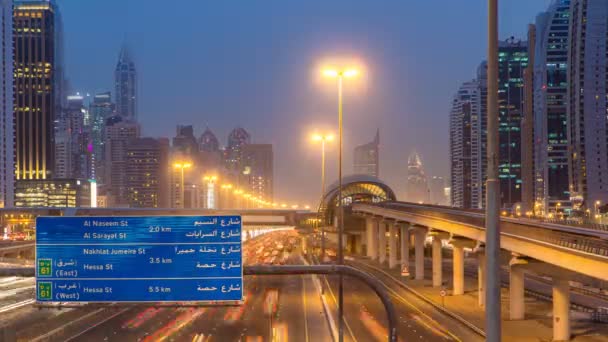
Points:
[(255, 64)]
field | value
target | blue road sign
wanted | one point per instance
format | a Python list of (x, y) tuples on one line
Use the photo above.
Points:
[(139, 259)]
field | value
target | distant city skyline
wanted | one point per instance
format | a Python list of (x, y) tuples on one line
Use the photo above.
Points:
[(199, 83)]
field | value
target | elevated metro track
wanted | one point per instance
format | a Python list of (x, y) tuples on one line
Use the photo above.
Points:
[(578, 249)]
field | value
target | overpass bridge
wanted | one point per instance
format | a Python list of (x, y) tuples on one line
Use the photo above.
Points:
[(550, 249)]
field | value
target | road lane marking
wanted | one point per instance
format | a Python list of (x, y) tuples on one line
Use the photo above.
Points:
[(331, 292), (305, 306), (17, 305), (438, 328)]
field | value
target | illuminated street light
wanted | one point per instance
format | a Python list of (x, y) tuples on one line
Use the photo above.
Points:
[(182, 166), (340, 75)]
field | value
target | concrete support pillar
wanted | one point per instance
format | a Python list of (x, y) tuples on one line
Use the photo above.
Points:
[(358, 244), (458, 270), (392, 245), (481, 277), (561, 310), (437, 262), (369, 230), (419, 251), (458, 244), (517, 304), (381, 242), (405, 244)]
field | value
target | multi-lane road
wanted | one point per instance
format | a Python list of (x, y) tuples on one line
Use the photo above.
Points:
[(296, 315), (299, 313)]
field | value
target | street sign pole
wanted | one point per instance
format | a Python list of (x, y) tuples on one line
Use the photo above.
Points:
[(493, 317)]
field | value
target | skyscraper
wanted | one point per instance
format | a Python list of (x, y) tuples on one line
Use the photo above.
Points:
[(237, 139), (512, 61), (126, 86), (34, 86), (367, 158), (587, 107), (527, 128), (550, 107), (208, 141), (147, 173), (7, 133), (258, 169), (118, 133), (99, 110), (73, 146), (184, 142), (464, 168), (417, 187)]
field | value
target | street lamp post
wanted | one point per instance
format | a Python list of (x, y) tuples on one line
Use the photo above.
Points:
[(493, 318), (323, 139), (182, 167), (340, 75)]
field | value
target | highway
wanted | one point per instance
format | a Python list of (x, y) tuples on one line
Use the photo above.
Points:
[(365, 316), (297, 316)]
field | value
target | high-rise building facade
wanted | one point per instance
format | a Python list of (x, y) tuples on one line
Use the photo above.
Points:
[(587, 105), (463, 117), (417, 187), (551, 108), (208, 142), (147, 173), (7, 133), (73, 145), (367, 158), (34, 87), (258, 170), (233, 154), (125, 79), (527, 128), (512, 61), (100, 109), (118, 133), (184, 142)]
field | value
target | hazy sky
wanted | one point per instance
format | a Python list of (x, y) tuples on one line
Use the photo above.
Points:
[(255, 64)]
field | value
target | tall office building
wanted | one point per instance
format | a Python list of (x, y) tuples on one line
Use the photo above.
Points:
[(34, 86), (118, 133), (527, 128), (551, 108), (73, 145), (512, 61), (208, 141), (587, 107), (237, 139), (125, 79), (464, 168), (209, 150), (417, 187), (258, 169), (99, 110), (147, 173), (7, 133), (185, 143), (367, 158)]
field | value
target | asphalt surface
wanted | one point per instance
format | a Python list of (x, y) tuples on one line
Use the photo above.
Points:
[(365, 316), (299, 316)]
